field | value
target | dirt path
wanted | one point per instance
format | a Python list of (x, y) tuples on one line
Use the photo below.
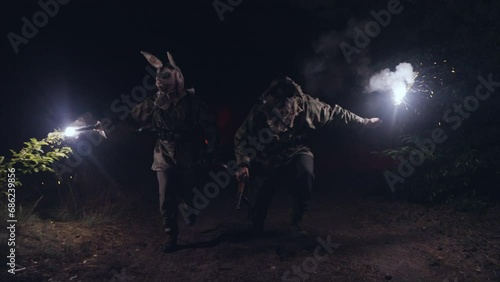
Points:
[(380, 240)]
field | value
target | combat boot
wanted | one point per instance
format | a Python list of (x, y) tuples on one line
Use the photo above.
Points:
[(171, 244), (171, 230)]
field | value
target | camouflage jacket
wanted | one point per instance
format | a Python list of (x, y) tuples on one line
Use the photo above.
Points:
[(273, 139), (187, 124)]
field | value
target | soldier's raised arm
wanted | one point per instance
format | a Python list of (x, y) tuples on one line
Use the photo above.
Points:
[(143, 112), (320, 114)]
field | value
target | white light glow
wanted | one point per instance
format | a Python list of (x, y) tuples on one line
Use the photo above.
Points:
[(70, 131), (396, 82), (399, 93)]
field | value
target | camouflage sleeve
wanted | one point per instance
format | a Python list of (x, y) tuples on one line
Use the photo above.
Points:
[(247, 130), (143, 112), (320, 114)]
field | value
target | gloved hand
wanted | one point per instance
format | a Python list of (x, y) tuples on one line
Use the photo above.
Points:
[(242, 172), (373, 122)]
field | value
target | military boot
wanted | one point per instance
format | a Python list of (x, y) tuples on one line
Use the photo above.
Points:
[(172, 232)]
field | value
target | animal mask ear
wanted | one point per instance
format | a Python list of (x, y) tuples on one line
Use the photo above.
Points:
[(154, 61), (171, 60)]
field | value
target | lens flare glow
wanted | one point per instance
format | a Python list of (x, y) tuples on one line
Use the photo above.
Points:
[(397, 82), (399, 93), (70, 131)]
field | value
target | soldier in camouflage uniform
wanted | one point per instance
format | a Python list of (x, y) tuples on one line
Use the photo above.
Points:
[(280, 156), (185, 132)]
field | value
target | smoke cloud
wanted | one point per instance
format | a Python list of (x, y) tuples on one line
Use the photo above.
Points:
[(392, 81)]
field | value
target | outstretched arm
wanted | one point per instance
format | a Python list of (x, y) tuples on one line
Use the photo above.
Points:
[(143, 112), (320, 114)]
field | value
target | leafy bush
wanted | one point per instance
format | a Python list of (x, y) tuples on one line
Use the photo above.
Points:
[(36, 156), (451, 171)]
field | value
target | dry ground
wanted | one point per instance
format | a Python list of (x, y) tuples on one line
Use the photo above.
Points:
[(380, 240)]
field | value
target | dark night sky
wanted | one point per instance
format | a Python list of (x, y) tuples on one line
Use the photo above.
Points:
[(88, 54)]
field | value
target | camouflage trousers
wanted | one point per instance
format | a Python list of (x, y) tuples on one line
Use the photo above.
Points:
[(296, 177), (175, 188)]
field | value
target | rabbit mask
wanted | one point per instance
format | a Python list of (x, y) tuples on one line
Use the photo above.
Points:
[(169, 78)]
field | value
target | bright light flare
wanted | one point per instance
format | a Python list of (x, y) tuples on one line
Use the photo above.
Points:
[(75, 131), (70, 131), (399, 93)]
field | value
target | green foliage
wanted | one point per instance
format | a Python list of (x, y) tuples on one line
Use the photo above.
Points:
[(467, 164), (36, 156), (409, 146), (447, 172)]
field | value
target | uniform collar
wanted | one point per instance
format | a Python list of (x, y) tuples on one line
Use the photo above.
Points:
[(168, 102)]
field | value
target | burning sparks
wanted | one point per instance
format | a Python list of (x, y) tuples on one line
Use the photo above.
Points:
[(399, 93), (396, 82), (415, 88)]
